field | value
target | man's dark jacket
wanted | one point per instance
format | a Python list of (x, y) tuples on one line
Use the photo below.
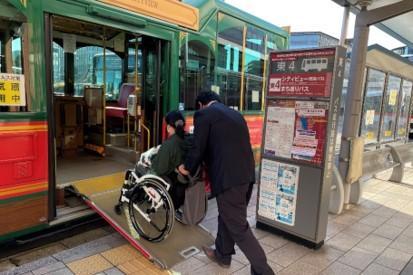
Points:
[(222, 140)]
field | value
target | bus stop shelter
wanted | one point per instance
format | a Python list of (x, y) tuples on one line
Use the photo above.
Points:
[(392, 16)]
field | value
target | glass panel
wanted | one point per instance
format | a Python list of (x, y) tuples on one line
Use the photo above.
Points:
[(17, 56), (275, 42), (254, 68), (404, 108), (198, 72), (390, 108), (2, 54), (89, 69), (131, 74), (58, 69), (372, 106), (84, 69), (342, 106), (230, 42)]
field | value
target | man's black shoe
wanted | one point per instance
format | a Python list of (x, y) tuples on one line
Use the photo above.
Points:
[(179, 215), (210, 253)]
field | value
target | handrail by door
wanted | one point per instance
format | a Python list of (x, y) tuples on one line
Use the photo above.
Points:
[(148, 134)]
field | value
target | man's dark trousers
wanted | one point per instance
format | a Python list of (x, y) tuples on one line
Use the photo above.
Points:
[(233, 228)]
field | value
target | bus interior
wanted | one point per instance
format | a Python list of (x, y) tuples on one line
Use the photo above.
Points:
[(105, 104)]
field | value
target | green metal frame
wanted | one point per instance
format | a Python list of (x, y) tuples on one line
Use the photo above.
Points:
[(209, 11)]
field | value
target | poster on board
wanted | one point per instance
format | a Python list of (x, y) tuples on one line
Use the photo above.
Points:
[(278, 191), (296, 130), (310, 131), (279, 132)]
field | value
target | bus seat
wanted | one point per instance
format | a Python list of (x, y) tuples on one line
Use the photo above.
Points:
[(119, 108)]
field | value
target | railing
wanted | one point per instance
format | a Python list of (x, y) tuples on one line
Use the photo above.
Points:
[(390, 157)]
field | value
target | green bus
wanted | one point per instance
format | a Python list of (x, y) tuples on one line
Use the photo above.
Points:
[(84, 86)]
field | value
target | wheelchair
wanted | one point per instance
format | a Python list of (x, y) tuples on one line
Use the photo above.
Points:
[(149, 205), (145, 199)]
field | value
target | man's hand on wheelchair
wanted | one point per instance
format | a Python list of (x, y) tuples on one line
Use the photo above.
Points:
[(182, 170)]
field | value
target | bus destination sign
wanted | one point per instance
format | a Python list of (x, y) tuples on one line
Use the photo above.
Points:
[(301, 73)]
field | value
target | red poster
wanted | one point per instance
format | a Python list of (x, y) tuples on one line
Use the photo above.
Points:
[(254, 122), (302, 73), (310, 131)]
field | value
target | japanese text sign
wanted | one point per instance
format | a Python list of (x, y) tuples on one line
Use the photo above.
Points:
[(301, 73), (12, 90)]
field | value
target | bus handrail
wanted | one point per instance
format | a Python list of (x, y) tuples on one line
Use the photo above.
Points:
[(149, 135)]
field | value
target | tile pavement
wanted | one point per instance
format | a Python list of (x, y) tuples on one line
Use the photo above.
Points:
[(375, 237)]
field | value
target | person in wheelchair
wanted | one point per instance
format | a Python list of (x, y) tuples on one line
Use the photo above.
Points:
[(170, 155), (154, 193)]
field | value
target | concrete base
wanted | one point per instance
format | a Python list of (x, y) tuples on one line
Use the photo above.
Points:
[(289, 236)]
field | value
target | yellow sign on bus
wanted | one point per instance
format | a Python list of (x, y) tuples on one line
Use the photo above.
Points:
[(171, 11), (12, 90)]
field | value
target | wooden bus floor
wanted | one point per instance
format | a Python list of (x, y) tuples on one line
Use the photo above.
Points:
[(86, 166)]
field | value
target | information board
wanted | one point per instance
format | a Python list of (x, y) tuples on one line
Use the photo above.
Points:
[(302, 103), (296, 129)]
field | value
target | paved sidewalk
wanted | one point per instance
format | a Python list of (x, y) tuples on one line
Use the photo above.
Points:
[(375, 237)]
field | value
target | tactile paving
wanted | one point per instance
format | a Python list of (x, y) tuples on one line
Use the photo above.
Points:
[(133, 267), (122, 255), (89, 265)]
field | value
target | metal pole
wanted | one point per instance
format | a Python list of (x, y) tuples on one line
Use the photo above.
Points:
[(104, 89), (344, 25), (354, 97)]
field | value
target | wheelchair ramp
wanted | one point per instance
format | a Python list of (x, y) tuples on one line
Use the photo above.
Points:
[(102, 193)]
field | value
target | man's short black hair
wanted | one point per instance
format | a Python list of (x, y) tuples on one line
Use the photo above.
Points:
[(206, 97)]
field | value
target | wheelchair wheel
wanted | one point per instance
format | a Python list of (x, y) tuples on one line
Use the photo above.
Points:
[(151, 210)]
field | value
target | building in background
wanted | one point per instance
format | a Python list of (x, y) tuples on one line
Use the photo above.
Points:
[(405, 51), (306, 40)]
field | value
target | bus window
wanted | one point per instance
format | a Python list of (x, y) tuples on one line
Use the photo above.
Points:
[(113, 73), (390, 108), (275, 42), (230, 42), (58, 69), (13, 85), (198, 72), (372, 106), (254, 68), (131, 67), (89, 63), (404, 108), (88, 70)]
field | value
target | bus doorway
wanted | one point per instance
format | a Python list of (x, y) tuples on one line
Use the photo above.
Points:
[(105, 106)]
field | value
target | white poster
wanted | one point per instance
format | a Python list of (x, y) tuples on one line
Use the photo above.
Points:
[(369, 117), (268, 188), (255, 96), (278, 191), (279, 132)]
